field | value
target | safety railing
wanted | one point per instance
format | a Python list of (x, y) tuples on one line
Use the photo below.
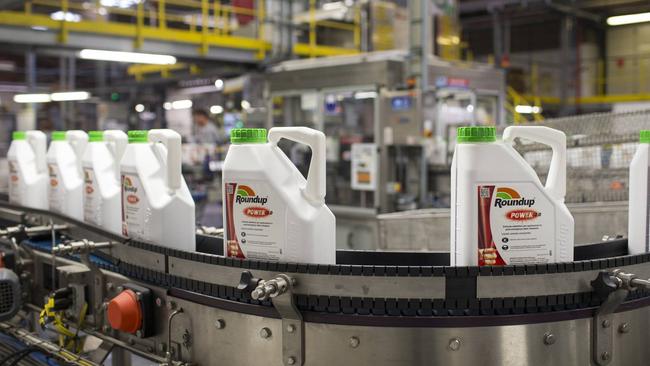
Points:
[(206, 23), (520, 107), (616, 79)]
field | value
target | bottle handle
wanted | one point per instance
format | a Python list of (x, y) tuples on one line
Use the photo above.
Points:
[(78, 140), (172, 141), (556, 180), (314, 191), (117, 141), (38, 141)]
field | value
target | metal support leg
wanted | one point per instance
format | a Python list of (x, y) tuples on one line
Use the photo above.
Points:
[(120, 357)]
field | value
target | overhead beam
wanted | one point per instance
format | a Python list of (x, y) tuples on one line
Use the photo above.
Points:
[(27, 36)]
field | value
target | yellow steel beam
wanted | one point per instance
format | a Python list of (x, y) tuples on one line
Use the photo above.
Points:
[(261, 27), (130, 30), (63, 35), (597, 99), (169, 35), (162, 20), (216, 10), (139, 39), (303, 49), (312, 26), (151, 69), (204, 28), (357, 27)]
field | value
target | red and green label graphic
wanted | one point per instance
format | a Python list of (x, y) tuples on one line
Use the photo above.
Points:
[(515, 225), (488, 255), (253, 229), (135, 208)]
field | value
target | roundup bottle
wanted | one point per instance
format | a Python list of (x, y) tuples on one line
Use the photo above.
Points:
[(271, 212), (66, 177), (28, 169), (501, 214), (101, 172), (638, 202), (156, 204)]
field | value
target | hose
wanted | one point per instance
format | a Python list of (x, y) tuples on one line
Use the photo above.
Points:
[(17, 356)]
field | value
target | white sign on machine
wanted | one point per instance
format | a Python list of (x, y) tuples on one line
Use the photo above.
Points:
[(364, 166)]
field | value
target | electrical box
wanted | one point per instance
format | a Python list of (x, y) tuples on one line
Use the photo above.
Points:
[(400, 118)]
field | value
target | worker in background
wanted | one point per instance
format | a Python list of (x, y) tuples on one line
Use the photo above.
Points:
[(205, 130)]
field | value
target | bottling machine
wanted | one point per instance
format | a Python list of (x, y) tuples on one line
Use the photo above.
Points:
[(102, 294)]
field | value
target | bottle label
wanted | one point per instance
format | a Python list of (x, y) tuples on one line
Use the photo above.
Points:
[(135, 208), (92, 201), (515, 225), (15, 191), (56, 191), (255, 227)]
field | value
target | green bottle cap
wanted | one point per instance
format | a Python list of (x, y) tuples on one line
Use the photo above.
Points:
[(476, 134), (58, 136), (94, 136), (644, 136), (19, 135), (138, 136), (248, 136)]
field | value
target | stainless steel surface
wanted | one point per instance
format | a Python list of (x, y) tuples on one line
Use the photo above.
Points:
[(326, 344), (349, 71), (540, 285), (203, 335), (353, 286)]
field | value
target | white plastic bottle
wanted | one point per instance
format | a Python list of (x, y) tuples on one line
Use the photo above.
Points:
[(66, 177), (157, 206), (638, 219), (271, 212), (28, 180), (500, 212), (101, 168)]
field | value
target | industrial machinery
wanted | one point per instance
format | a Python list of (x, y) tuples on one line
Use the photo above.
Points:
[(101, 293), (368, 99)]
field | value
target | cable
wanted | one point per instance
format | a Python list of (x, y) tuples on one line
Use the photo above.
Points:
[(27, 352), (20, 355)]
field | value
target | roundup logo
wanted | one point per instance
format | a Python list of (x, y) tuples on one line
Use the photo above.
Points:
[(128, 187), (510, 197), (246, 194)]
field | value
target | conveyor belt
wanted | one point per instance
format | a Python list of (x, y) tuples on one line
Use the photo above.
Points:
[(464, 287)]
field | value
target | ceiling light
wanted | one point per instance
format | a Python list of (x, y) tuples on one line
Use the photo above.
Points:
[(527, 109), (32, 98), (216, 109), (65, 16), (131, 57), (629, 19), (39, 28), (218, 84), (245, 104), (124, 4), (70, 96), (182, 104), (337, 5), (167, 106), (365, 95), (139, 108)]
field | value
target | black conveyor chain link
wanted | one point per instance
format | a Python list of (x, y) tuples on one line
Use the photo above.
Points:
[(460, 304)]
